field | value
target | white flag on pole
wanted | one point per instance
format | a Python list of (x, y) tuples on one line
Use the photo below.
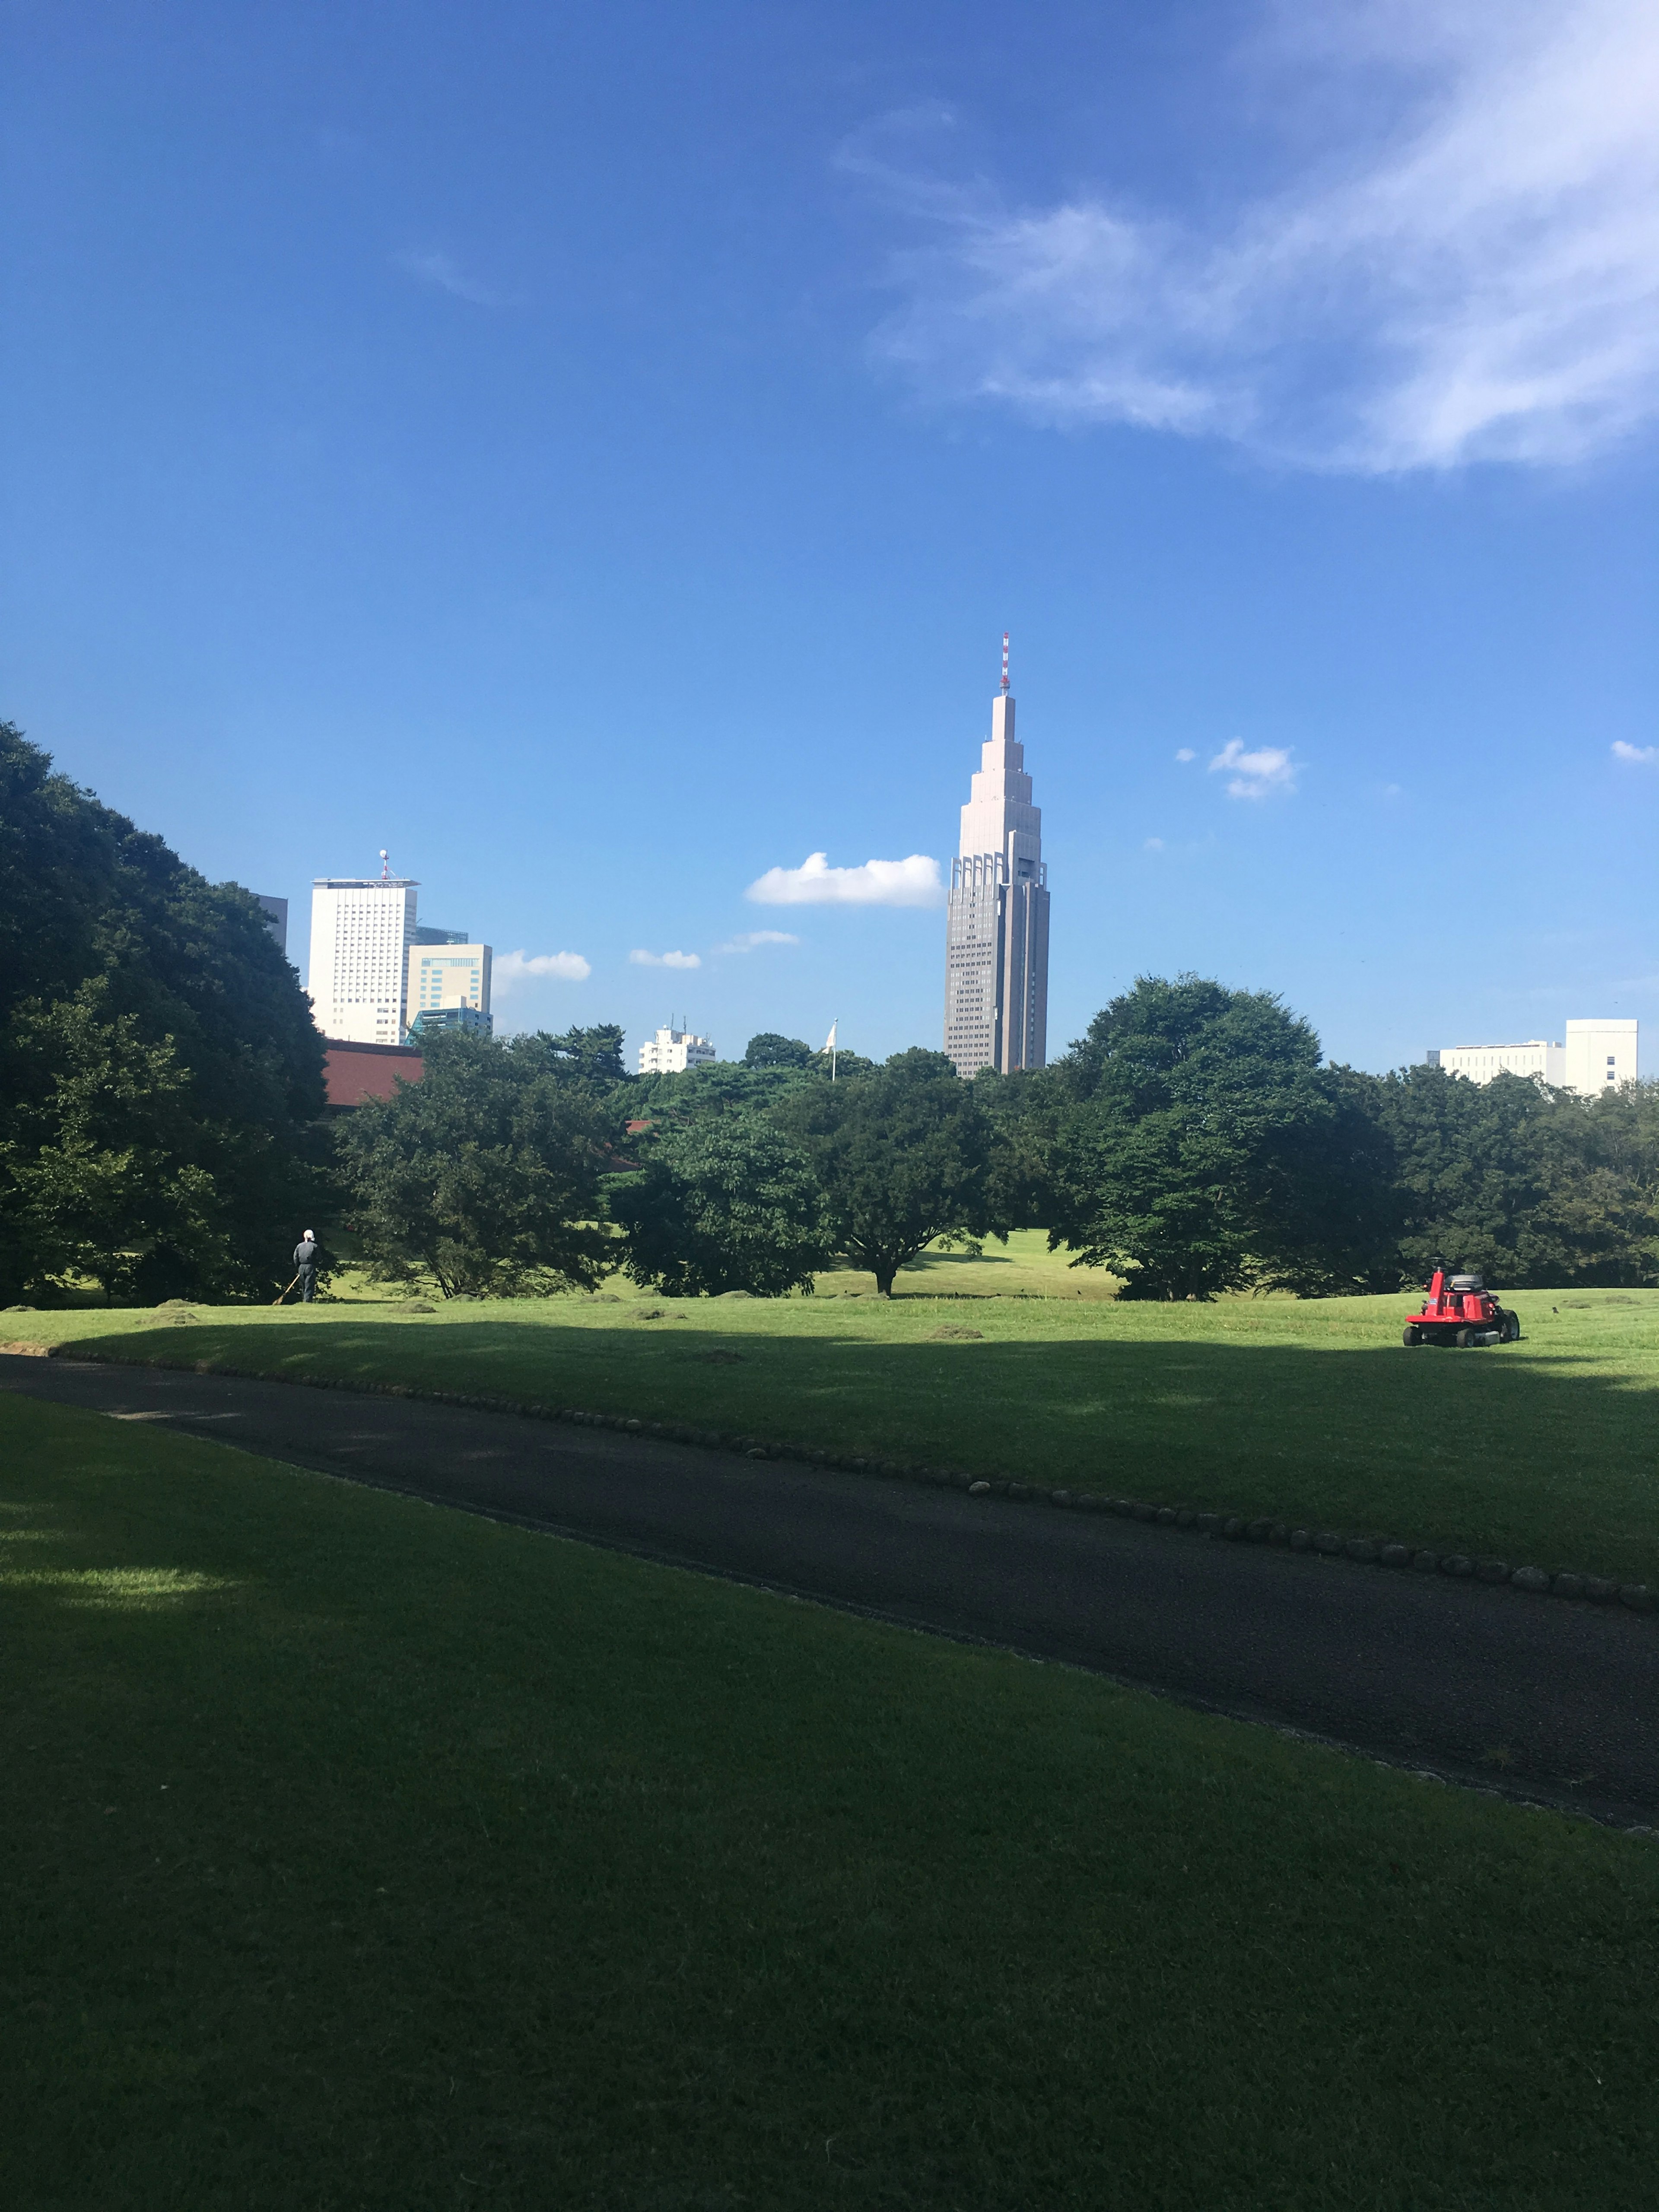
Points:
[(830, 1041)]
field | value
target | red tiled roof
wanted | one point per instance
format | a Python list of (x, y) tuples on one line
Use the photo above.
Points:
[(354, 1072)]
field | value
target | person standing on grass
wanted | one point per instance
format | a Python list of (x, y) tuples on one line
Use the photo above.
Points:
[(306, 1253)]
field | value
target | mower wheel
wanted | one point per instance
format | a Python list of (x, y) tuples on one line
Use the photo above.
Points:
[(1464, 1339), (1413, 1335), (1511, 1329)]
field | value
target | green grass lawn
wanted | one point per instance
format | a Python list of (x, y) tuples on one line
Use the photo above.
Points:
[(1311, 1411), (361, 1855)]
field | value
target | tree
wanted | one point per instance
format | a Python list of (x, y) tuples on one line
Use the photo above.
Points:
[(97, 1156), (722, 1201), (769, 1049), (199, 1056), (902, 1153), (485, 1175), (1200, 1145), (595, 1054), (1531, 1185)]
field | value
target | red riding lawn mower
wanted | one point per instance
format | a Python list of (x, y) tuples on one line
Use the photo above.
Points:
[(1459, 1310)]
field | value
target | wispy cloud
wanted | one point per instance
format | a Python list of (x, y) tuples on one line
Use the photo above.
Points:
[(1643, 755), (642, 959), (512, 969), (751, 938), (1254, 775), (912, 882), (1471, 275), (444, 274), (1186, 754)]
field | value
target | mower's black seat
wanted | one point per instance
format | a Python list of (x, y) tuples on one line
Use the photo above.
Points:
[(1468, 1283)]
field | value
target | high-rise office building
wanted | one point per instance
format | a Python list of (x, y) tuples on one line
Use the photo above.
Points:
[(996, 944), (275, 914), (361, 928), (449, 981)]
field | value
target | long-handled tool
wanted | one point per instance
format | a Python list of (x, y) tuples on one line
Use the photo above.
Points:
[(281, 1295)]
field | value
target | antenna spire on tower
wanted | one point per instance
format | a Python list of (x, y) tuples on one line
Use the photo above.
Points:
[(385, 866), (1004, 660)]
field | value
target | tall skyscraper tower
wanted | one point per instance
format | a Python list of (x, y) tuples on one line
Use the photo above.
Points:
[(361, 928), (996, 944)]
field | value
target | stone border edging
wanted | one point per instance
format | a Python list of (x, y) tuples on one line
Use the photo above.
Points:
[(1328, 1543)]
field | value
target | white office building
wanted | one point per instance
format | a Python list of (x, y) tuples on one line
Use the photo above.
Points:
[(1594, 1055), (361, 929), (996, 935), (671, 1051)]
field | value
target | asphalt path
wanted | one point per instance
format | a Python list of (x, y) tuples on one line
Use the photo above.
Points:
[(1533, 1697)]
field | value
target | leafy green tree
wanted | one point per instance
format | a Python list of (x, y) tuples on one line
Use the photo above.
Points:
[(227, 1119), (485, 1176), (902, 1153), (1533, 1187), (722, 1201), (1202, 1149), (595, 1054), (769, 1049), (96, 1161)]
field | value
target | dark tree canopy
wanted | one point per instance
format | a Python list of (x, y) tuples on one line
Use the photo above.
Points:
[(1200, 1145), (485, 1176), (594, 1054), (903, 1154), (158, 1055), (722, 1201), (1530, 1186), (769, 1049)]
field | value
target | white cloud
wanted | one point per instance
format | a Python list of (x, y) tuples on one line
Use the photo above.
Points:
[(443, 274), (1153, 845), (1467, 268), (512, 968), (912, 882), (1269, 769), (1644, 756), (751, 938), (666, 959), (1186, 754)]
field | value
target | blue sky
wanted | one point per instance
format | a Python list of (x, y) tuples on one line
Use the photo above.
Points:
[(594, 453)]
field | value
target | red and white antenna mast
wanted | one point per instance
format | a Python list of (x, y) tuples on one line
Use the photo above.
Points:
[(1004, 660), (386, 864)]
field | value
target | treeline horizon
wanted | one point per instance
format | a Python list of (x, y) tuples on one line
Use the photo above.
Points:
[(166, 1133)]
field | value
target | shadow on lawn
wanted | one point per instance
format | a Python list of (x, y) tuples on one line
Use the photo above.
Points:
[(1481, 1449)]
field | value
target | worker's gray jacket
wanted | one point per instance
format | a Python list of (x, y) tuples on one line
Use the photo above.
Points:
[(305, 1253)]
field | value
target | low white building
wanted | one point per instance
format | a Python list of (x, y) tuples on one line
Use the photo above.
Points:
[(671, 1051), (1595, 1054)]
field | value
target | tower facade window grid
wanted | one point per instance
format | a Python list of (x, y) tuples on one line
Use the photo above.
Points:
[(996, 944), (361, 928)]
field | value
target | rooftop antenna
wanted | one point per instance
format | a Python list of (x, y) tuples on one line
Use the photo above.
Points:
[(386, 866), (1005, 662)]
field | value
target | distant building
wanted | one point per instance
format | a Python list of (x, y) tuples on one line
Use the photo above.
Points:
[(671, 1051), (361, 928), (996, 937), (425, 933), (1595, 1054), (448, 974), (451, 1018), (275, 911), (355, 1073)]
